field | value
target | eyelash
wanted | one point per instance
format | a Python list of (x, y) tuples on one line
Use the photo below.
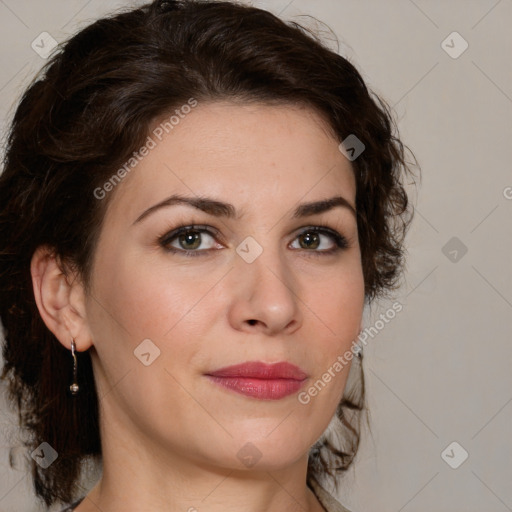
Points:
[(339, 240)]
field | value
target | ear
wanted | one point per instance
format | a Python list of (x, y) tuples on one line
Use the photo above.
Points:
[(60, 298)]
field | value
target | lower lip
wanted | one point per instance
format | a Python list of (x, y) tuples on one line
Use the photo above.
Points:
[(263, 389)]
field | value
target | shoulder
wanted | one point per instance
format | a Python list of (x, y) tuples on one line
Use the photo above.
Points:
[(325, 498)]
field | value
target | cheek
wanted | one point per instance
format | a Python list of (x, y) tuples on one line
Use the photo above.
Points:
[(334, 322), (338, 300), (133, 302), (152, 300)]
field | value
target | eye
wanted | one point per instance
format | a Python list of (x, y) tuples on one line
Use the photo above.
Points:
[(321, 239), (199, 240), (190, 240)]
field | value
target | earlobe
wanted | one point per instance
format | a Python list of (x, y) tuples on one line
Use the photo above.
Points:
[(60, 299)]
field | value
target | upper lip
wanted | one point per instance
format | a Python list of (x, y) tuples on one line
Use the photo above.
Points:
[(260, 370)]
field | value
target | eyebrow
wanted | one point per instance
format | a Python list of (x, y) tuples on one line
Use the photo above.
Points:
[(227, 210)]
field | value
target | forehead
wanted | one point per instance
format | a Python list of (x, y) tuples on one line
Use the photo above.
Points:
[(255, 155)]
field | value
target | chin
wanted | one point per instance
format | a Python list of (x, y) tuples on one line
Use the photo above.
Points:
[(257, 452)]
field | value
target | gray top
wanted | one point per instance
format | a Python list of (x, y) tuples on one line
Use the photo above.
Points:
[(325, 499), (71, 507)]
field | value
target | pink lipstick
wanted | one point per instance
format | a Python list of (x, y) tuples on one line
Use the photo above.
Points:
[(260, 380)]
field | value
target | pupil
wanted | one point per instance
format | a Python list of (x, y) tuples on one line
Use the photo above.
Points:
[(190, 240), (310, 241)]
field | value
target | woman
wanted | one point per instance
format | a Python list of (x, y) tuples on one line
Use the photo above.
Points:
[(198, 200)]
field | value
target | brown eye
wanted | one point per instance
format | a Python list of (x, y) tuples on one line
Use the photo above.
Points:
[(309, 240)]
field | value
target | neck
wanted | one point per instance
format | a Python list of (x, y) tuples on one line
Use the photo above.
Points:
[(138, 474), (212, 490)]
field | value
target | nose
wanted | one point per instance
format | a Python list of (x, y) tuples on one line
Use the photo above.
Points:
[(264, 297)]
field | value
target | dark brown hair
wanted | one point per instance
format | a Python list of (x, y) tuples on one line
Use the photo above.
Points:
[(82, 118)]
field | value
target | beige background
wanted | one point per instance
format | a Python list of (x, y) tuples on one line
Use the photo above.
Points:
[(440, 371)]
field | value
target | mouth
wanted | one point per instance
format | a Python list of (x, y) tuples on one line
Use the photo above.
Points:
[(259, 380)]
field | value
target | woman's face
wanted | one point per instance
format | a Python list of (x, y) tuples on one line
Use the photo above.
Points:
[(264, 276)]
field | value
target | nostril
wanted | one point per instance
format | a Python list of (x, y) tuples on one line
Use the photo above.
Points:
[(252, 322)]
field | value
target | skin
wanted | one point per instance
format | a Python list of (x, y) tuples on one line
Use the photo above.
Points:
[(170, 436)]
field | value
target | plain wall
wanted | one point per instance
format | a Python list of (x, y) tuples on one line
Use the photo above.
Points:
[(440, 371)]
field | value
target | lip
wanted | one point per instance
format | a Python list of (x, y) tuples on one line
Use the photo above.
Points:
[(260, 380)]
